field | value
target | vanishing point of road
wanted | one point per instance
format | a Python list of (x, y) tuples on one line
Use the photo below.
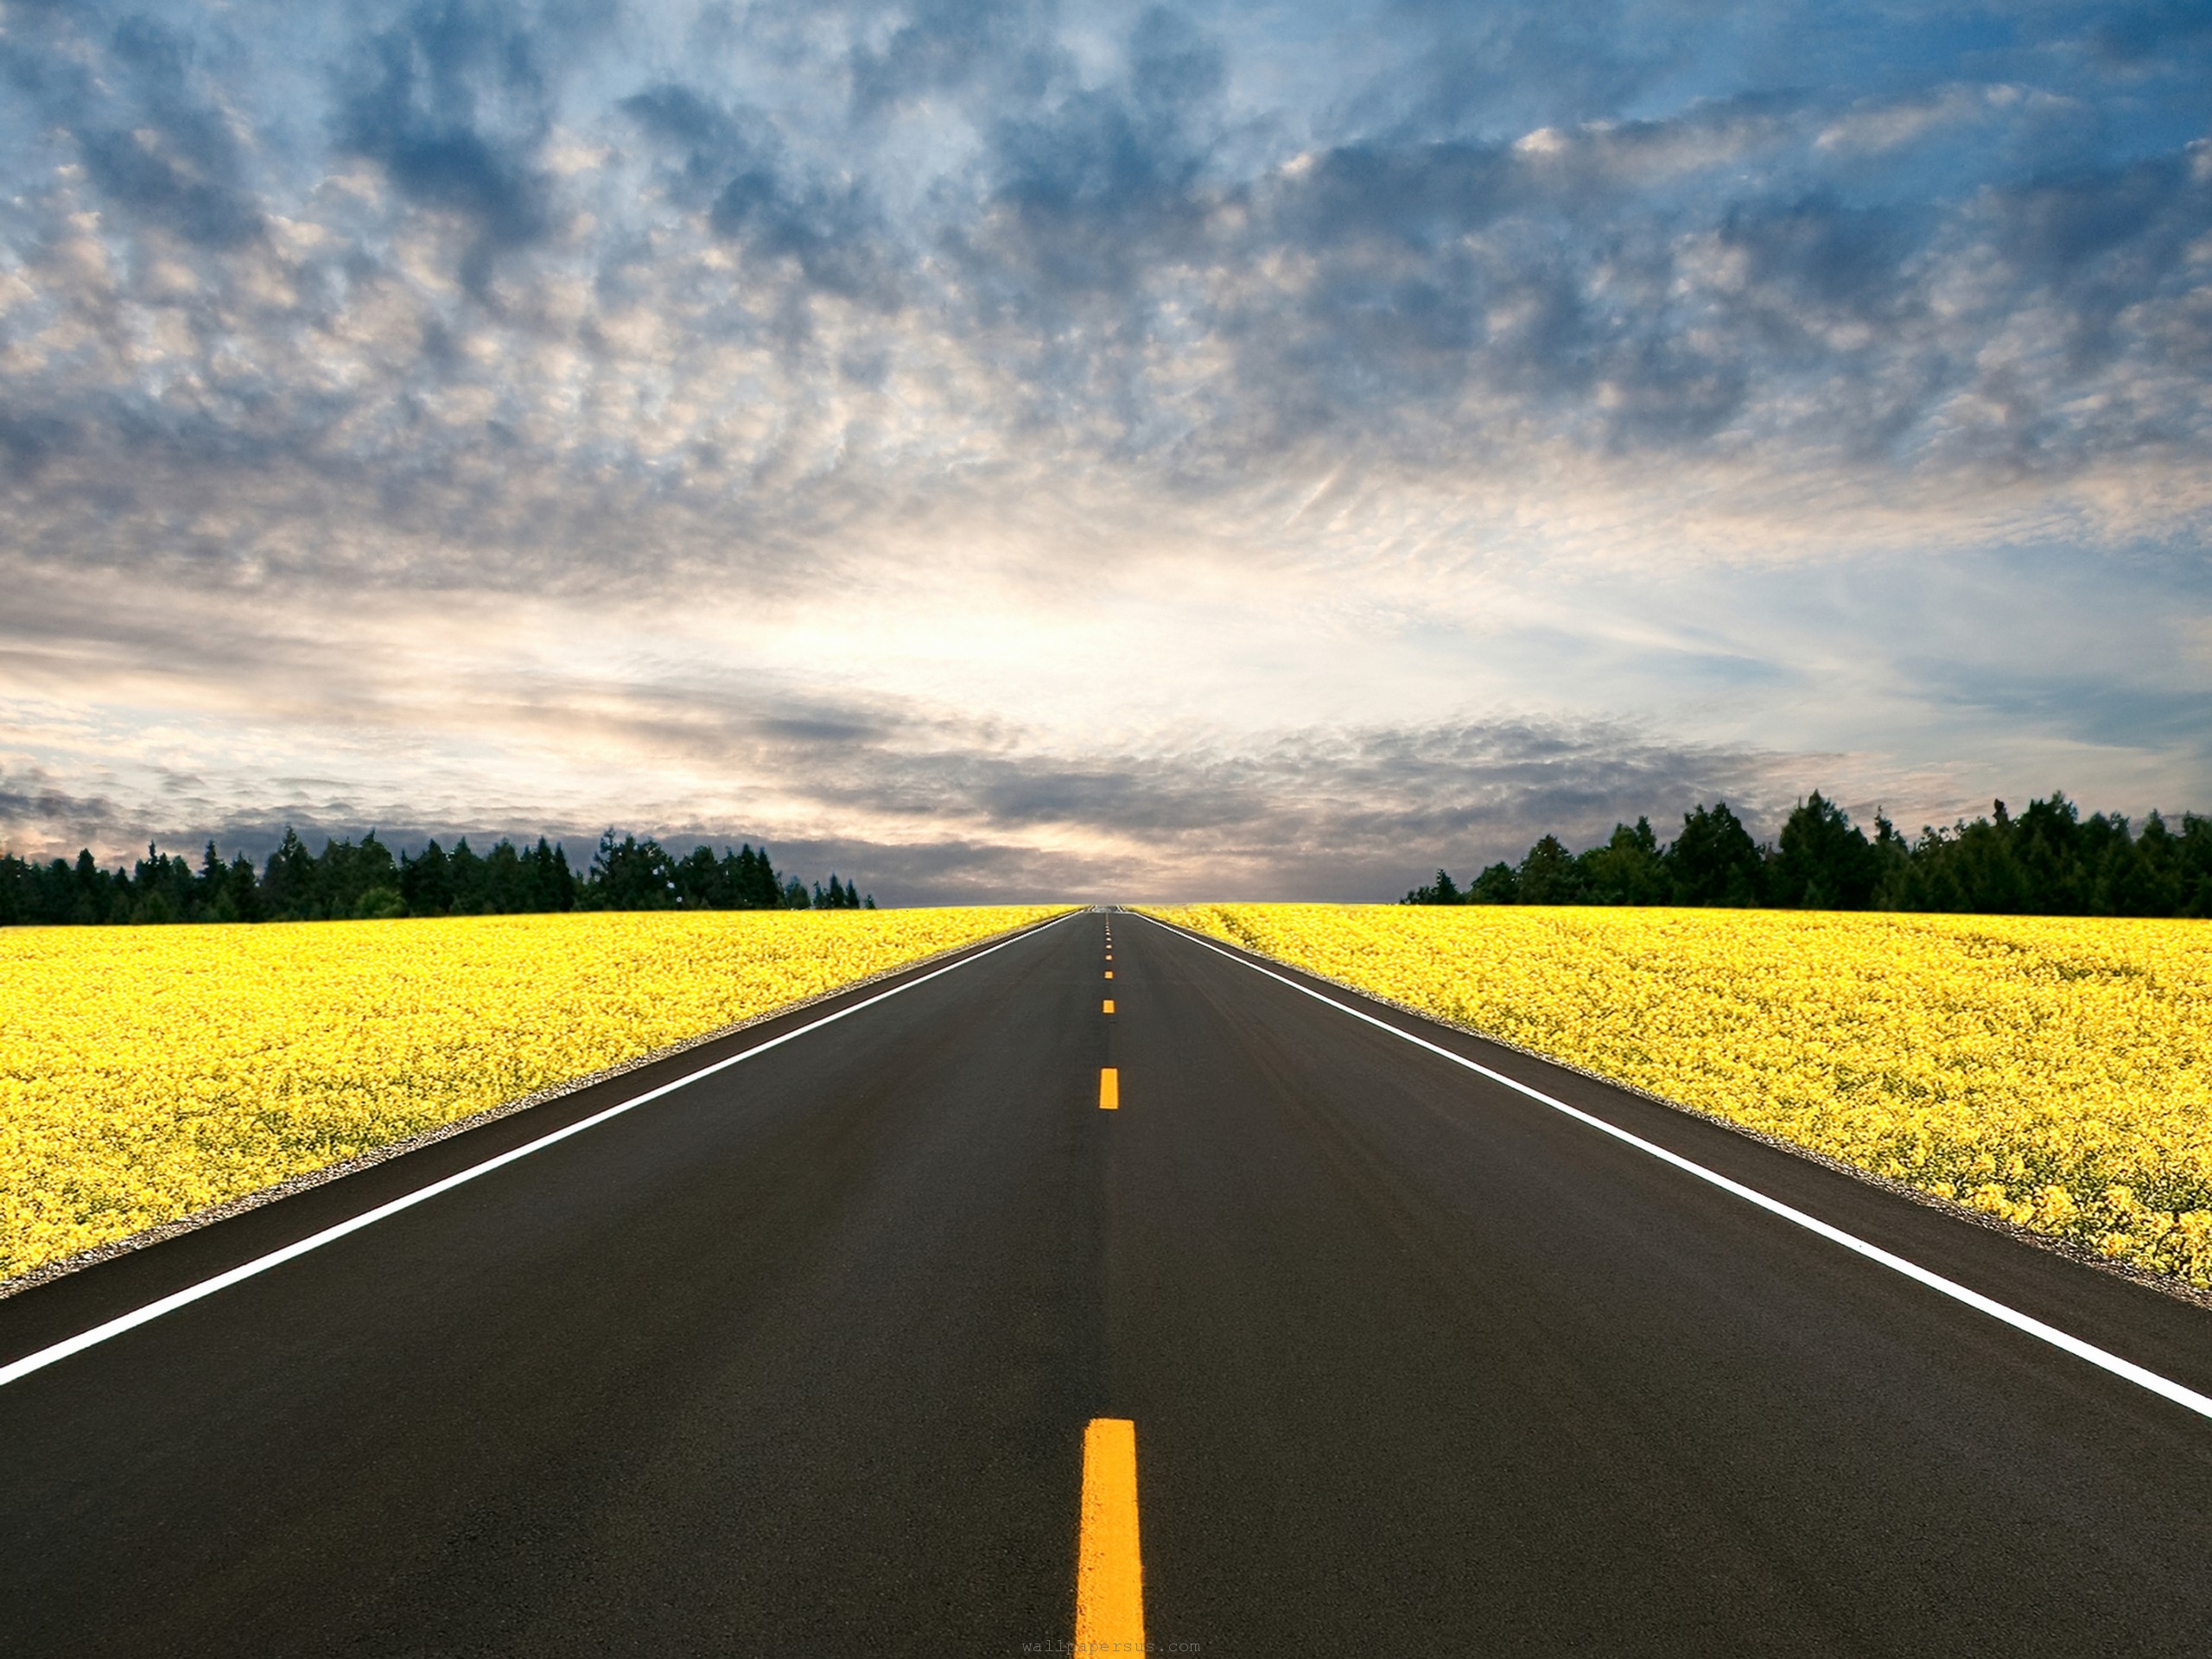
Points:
[(888, 1339)]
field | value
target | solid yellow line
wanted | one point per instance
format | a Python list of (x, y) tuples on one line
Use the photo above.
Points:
[(1109, 1005), (1109, 1090), (1109, 1570)]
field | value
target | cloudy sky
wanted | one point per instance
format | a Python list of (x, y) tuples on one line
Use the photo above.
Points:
[(1009, 449)]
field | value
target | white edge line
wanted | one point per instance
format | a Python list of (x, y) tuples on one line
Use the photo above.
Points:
[(2190, 1398), (190, 1293)]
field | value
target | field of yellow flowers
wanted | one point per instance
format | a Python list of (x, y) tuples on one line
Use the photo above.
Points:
[(146, 1073), (2054, 1071)]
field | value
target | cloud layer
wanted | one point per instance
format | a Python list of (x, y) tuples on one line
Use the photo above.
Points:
[(1206, 447)]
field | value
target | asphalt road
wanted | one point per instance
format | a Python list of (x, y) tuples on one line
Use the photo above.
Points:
[(798, 1360)]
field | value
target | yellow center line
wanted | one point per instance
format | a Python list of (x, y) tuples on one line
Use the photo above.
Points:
[(1109, 1090), (1109, 973), (1109, 1005), (1109, 1570)]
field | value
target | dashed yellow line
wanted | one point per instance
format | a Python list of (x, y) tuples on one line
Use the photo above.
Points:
[(1109, 1090), (1109, 1005), (1109, 973), (1110, 1570)]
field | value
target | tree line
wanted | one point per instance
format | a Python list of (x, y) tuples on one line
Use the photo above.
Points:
[(366, 880), (2049, 861)]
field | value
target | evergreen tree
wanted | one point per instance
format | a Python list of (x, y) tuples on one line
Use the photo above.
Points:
[(552, 887), (213, 888), (1715, 861), (288, 881), (631, 875), (93, 894), (699, 882), (1442, 891), (466, 871), (1498, 884), (1550, 875), (2049, 861), (344, 874), (1892, 864), (1823, 862), (753, 881), (1627, 869), (364, 880), (243, 894), (426, 881)]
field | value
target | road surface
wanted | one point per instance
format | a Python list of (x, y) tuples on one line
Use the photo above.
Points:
[(799, 1359)]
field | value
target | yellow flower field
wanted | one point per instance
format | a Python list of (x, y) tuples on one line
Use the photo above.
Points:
[(146, 1073), (2054, 1071)]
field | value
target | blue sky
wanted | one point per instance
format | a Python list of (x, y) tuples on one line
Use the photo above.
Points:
[(1006, 449)]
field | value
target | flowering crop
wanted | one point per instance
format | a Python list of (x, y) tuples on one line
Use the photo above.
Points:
[(146, 1073), (2054, 1071)]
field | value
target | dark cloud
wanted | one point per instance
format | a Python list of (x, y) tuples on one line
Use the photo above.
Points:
[(183, 167), (1333, 813), (1425, 273), (1090, 195), (732, 162), (37, 812), (827, 230), (2106, 241), (1147, 277), (136, 176), (27, 440), (1354, 815), (453, 99), (955, 47), (690, 122), (2057, 228), (149, 129), (1511, 67), (1816, 260), (2138, 35)]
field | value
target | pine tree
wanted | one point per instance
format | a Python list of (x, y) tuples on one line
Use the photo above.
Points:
[(1824, 861), (1715, 861), (288, 881)]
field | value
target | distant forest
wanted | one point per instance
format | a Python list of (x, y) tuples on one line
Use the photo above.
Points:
[(363, 880), (2049, 861)]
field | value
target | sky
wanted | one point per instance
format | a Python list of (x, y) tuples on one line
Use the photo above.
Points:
[(1019, 450)]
